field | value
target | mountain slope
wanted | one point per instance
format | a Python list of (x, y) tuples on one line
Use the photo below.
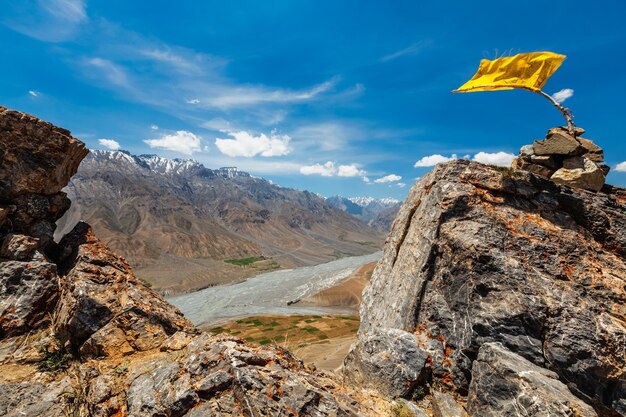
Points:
[(177, 221)]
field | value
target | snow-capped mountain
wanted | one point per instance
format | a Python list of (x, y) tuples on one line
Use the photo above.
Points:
[(376, 212), (366, 201), (177, 215)]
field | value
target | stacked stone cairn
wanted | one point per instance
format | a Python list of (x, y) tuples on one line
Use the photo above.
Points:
[(566, 159)]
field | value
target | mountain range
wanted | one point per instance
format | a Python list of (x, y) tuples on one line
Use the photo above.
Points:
[(378, 213), (177, 221)]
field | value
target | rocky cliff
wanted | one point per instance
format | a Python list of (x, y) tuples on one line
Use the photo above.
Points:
[(503, 289), (80, 335)]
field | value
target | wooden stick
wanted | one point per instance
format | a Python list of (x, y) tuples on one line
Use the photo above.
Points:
[(566, 112)]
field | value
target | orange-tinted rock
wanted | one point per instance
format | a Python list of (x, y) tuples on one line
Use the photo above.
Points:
[(104, 308)]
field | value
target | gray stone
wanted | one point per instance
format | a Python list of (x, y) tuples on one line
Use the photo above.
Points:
[(580, 172), (558, 143), (505, 384), (412, 407), (389, 360), (28, 291), (548, 161), (213, 383), (444, 405), (18, 247)]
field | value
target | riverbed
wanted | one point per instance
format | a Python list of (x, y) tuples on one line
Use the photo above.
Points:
[(275, 292)]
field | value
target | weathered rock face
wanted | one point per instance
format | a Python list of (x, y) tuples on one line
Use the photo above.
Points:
[(104, 309), (505, 384), (38, 159), (78, 306), (480, 255), (566, 159)]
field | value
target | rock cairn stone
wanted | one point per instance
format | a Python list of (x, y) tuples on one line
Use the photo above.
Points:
[(566, 159)]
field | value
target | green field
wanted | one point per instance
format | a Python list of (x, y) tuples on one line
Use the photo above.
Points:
[(244, 261)]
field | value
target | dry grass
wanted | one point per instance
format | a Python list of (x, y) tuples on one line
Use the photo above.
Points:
[(321, 340)]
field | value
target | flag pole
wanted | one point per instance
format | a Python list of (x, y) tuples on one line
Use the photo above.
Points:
[(567, 113)]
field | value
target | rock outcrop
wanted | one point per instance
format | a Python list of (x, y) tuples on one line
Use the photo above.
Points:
[(566, 159), (481, 255), (80, 335)]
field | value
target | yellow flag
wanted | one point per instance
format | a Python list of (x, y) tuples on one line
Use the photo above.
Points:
[(528, 71)]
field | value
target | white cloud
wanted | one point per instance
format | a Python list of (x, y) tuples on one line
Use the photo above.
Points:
[(33, 93), (350, 171), (193, 101), (46, 20), (326, 170), (621, 167), (109, 143), (246, 145), (410, 50), (432, 160), (498, 158), (169, 57), (182, 141), (218, 124), (111, 71), (154, 127), (401, 184), (388, 178), (564, 94), (246, 96), (330, 169), (70, 10)]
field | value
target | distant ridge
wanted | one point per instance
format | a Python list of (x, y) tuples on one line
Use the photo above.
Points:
[(378, 213)]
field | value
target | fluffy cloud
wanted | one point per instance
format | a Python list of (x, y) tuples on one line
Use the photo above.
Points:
[(388, 178), (326, 170), (109, 143), (432, 160), (564, 94), (329, 169), (621, 167), (154, 127), (401, 184), (350, 171), (182, 141), (246, 145), (33, 93), (502, 159), (193, 101)]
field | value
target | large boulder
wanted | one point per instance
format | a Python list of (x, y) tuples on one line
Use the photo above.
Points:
[(479, 254), (580, 172), (370, 362), (506, 385), (37, 157)]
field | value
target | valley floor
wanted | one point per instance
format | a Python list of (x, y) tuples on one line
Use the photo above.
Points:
[(320, 340)]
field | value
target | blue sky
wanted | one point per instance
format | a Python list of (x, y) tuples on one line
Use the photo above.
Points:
[(338, 97)]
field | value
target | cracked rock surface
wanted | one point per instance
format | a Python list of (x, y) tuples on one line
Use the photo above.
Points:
[(478, 255)]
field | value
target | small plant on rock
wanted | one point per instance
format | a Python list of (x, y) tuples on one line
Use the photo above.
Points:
[(55, 358)]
